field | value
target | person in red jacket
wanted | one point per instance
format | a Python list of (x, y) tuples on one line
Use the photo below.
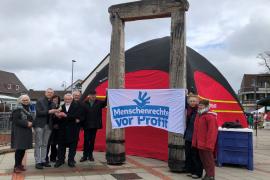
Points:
[(205, 136)]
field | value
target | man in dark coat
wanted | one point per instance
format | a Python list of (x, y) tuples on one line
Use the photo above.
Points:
[(42, 126), (92, 122), (66, 137), (81, 110)]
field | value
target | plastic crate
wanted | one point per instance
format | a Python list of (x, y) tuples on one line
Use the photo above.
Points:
[(235, 146)]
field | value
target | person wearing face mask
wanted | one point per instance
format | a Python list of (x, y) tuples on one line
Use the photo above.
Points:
[(205, 136), (21, 131), (193, 163)]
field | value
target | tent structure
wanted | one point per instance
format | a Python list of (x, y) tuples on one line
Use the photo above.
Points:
[(147, 67), (264, 102), (261, 110)]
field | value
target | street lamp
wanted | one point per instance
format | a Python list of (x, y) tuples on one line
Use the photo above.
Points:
[(73, 61)]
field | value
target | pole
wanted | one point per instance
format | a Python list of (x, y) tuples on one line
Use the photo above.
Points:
[(115, 138), (176, 143), (73, 61), (255, 97)]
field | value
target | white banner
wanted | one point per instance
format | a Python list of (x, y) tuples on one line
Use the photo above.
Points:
[(159, 108)]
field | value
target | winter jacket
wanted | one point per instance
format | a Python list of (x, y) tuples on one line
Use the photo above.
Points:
[(191, 115), (21, 134), (205, 131), (93, 116)]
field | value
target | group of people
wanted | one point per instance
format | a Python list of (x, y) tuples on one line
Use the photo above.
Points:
[(257, 119), (56, 127), (200, 139)]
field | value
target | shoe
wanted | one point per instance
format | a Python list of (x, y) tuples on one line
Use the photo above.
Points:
[(194, 176), (53, 160), (73, 161), (46, 164), (39, 166), (189, 175), (17, 170), (83, 159), (58, 164), (71, 164), (21, 167), (91, 159)]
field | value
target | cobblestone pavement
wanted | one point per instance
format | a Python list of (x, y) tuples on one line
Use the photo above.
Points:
[(136, 167)]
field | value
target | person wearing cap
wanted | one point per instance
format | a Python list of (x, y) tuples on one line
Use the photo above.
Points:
[(91, 123), (205, 136)]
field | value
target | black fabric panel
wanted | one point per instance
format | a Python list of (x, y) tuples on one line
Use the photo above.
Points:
[(155, 54)]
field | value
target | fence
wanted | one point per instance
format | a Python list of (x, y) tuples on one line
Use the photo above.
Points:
[(5, 124), (5, 127)]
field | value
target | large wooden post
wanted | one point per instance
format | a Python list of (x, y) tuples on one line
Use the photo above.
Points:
[(176, 142), (115, 138), (140, 10)]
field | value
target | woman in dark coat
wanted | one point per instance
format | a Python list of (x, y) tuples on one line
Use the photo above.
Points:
[(21, 132), (193, 162), (52, 144)]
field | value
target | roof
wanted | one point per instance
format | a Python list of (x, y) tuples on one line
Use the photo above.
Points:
[(79, 81), (37, 94), (248, 79), (3, 97), (10, 84), (91, 73)]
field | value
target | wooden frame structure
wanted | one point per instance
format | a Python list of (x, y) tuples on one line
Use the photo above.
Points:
[(140, 10)]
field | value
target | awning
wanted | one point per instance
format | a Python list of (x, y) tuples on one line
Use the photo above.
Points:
[(7, 98), (264, 102)]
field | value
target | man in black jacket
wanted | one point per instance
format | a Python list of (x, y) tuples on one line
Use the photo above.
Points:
[(42, 127), (66, 137), (81, 111), (92, 122)]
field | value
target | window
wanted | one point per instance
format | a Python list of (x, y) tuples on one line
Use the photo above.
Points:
[(9, 86), (17, 87)]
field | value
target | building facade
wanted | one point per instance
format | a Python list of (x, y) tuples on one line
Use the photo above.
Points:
[(253, 88), (10, 89)]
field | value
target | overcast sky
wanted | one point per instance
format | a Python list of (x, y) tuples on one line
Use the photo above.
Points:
[(39, 38)]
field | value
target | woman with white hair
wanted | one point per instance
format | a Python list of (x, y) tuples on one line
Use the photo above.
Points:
[(21, 132)]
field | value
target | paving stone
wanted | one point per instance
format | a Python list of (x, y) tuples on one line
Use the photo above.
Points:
[(125, 176), (5, 177), (93, 177)]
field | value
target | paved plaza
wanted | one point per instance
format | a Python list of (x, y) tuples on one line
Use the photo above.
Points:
[(135, 167)]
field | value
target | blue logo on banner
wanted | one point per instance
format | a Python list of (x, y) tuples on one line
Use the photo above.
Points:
[(142, 112)]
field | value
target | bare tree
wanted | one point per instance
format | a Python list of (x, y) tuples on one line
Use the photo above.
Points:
[(265, 60)]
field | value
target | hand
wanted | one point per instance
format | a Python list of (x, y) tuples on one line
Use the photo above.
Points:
[(77, 121), (63, 114), (55, 126), (58, 115), (30, 124), (53, 111)]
